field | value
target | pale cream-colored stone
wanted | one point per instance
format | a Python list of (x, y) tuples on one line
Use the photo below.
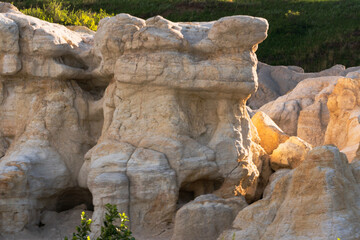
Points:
[(48, 122), (289, 154), (276, 81), (178, 99), (270, 134), (317, 200), (206, 217), (54, 225)]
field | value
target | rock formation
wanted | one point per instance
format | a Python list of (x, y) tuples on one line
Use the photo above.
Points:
[(48, 122), (171, 125), (151, 115), (174, 115), (276, 81), (321, 111), (344, 108), (317, 200), (303, 112)]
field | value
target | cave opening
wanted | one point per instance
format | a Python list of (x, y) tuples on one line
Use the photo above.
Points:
[(73, 197)]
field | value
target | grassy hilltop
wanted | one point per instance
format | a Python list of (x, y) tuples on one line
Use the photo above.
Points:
[(313, 34)]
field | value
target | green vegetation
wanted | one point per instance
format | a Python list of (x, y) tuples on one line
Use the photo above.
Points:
[(109, 231), (313, 34), (83, 230), (55, 11)]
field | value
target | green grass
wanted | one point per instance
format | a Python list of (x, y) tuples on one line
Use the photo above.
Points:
[(313, 34)]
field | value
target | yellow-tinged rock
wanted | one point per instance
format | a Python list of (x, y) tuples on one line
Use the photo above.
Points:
[(270, 134), (289, 154)]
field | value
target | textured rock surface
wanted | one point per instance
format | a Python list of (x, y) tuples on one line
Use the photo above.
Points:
[(289, 154), (276, 81), (303, 111), (47, 123), (171, 125), (54, 225), (206, 217), (344, 107), (175, 120), (270, 134), (317, 200)]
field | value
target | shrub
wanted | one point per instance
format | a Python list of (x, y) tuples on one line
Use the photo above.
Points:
[(112, 232), (109, 231), (82, 231)]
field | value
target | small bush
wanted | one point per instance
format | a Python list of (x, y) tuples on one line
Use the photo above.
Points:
[(109, 231), (82, 231), (112, 232)]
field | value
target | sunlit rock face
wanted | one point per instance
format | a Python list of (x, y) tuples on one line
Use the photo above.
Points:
[(317, 200), (303, 112), (175, 121), (344, 108), (171, 125), (323, 110)]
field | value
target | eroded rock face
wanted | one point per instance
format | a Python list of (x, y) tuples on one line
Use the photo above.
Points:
[(343, 104), (317, 200), (276, 81), (303, 112), (47, 121), (172, 123), (174, 115)]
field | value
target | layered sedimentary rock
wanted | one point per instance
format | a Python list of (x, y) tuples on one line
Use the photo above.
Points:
[(172, 124), (317, 200)]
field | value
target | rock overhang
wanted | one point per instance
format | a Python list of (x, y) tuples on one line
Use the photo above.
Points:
[(216, 56)]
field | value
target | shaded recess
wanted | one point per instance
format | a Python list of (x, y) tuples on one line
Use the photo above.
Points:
[(189, 191), (73, 197)]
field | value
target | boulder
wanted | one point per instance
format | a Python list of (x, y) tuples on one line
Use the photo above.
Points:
[(206, 217), (289, 154), (270, 134)]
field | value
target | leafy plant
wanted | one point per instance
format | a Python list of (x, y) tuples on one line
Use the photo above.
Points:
[(82, 231), (109, 231)]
